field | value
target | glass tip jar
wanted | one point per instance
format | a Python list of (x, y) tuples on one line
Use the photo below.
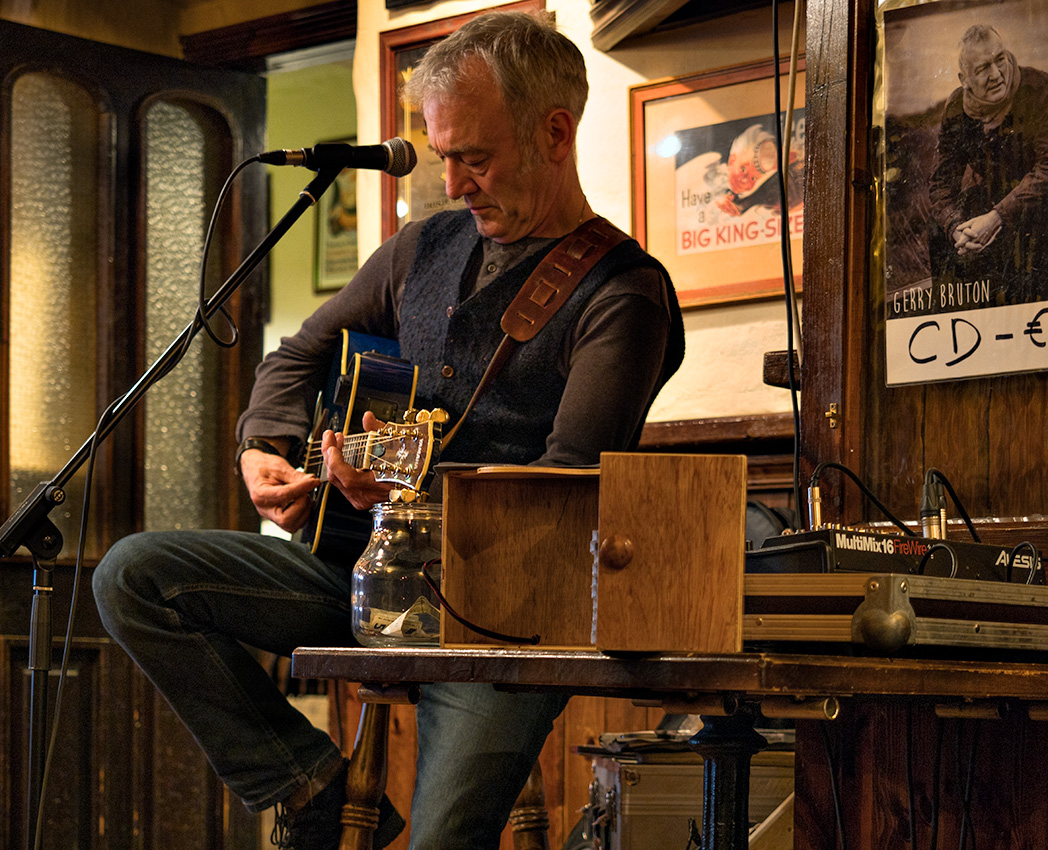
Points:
[(393, 604)]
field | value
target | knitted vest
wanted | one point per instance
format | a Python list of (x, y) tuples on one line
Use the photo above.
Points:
[(452, 342)]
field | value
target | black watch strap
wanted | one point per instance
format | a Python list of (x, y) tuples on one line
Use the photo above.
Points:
[(253, 443)]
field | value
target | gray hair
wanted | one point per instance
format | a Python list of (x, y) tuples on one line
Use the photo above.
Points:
[(536, 68), (976, 34)]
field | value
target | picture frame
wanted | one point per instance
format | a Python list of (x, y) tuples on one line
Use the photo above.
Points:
[(421, 193), (704, 199), (955, 311), (335, 252)]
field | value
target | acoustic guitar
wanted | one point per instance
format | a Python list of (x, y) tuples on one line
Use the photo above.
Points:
[(367, 374)]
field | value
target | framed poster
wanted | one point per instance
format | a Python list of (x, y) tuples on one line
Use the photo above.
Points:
[(335, 258), (421, 193), (965, 200), (706, 199)]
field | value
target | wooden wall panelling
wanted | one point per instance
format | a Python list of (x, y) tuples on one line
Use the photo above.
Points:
[(919, 427), (554, 761), (179, 772), (1004, 756), (956, 439), (856, 182), (891, 449), (1018, 466), (984, 435), (834, 258)]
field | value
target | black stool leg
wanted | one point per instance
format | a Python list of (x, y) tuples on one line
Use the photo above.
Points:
[(726, 745)]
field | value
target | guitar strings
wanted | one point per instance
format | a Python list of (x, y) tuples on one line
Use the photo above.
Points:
[(354, 443)]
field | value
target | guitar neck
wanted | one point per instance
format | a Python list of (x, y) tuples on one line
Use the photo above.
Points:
[(358, 451)]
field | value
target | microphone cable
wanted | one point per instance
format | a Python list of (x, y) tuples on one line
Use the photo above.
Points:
[(201, 313), (784, 237)]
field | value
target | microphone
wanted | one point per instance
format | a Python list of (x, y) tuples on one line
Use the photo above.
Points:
[(395, 156)]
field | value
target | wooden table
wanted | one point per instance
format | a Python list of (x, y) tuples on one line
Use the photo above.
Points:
[(728, 690)]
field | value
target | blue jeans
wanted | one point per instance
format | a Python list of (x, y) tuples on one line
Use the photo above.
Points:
[(184, 603)]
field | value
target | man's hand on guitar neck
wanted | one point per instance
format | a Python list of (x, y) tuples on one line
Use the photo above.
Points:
[(358, 485), (279, 492)]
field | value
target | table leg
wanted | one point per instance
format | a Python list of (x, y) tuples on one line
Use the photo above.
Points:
[(726, 745)]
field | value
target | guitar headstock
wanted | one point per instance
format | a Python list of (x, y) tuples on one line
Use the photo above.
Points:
[(402, 453)]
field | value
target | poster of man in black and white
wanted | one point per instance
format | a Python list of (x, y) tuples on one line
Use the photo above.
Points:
[(966, 189)]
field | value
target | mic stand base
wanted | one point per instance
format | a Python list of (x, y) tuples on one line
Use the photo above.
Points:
[(40, 641)]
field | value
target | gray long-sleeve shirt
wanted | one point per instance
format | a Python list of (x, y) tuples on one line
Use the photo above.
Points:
[(614, 360)]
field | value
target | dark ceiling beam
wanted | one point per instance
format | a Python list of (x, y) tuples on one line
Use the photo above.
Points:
[(245, 46), (615, 21)]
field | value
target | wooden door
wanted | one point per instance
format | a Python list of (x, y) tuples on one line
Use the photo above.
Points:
[(111, 164)]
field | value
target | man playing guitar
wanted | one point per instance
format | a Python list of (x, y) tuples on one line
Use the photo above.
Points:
[(502, 99)]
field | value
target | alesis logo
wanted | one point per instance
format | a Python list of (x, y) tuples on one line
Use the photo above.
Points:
[(881, 545), (1023, 562)]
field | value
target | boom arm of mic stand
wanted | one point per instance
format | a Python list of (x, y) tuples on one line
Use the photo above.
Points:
[(29, 525)]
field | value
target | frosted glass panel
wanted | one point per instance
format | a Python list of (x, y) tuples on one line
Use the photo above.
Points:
[(54, 236), (182, 411)]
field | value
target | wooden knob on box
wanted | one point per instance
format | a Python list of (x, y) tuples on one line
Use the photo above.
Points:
[(615, 552)]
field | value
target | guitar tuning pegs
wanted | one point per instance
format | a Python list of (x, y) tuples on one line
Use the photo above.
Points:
[(437, 415)]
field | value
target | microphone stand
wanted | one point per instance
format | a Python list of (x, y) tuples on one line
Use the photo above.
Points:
[(31, 527)]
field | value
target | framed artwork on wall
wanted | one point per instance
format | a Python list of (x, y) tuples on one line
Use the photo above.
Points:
[(335, 258), (706, 200), (964, 261), (421, 193)]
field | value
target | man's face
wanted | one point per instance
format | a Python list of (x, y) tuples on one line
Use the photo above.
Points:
[(483, 164), (986, 70)]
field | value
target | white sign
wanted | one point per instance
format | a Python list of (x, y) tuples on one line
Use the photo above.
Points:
[(967, 343)]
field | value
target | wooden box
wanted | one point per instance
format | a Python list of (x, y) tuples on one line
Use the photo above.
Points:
[(645, 555)]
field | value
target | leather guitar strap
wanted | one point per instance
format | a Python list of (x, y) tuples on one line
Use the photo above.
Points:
[(543, 293)]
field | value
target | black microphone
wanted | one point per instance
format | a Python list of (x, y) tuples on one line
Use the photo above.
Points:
[(395, 156)]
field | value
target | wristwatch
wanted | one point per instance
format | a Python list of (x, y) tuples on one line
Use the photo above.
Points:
[(253, 443)]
